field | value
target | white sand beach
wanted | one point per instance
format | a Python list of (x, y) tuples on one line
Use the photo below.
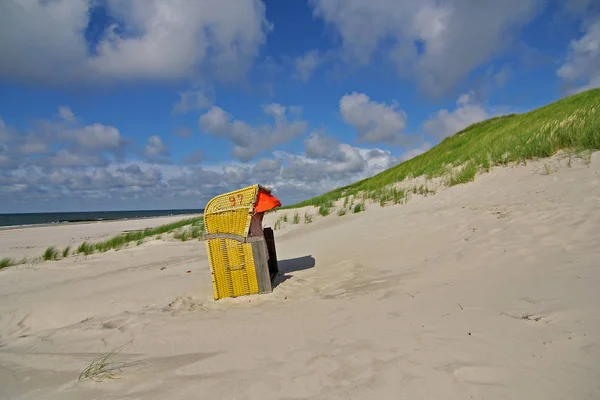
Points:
[(31, 241), (489, 290)]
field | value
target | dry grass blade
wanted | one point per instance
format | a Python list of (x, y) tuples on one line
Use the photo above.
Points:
[(103, 367)]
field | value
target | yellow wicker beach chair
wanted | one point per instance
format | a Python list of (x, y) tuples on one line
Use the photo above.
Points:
[(241, 254)]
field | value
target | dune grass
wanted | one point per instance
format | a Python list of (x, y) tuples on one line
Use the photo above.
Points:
[(120, 241), (572, 123), (51, 254), (193, 231), (185, 229), (103, 367), (7, 262)]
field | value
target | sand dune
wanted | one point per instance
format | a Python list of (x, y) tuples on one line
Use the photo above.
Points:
[(486, 290)]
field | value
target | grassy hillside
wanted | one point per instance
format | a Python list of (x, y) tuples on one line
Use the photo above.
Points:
[(570, 123)]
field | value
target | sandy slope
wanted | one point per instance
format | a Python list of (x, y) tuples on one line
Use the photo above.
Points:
[(31, 241), (489, 290)]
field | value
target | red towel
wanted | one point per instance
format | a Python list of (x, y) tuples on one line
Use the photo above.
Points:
[(266, 201)]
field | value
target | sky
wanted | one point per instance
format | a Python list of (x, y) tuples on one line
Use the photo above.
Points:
[(159, 104)]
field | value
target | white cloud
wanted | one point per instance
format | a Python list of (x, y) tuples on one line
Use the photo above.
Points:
[(581, 70), (73, 176), (155, 39), (447, 123), (374, 122), (306, 64), (156, 148), (250, 141), (436, 42), (317, 145), (196, 99), (66, 114), (96, 137)]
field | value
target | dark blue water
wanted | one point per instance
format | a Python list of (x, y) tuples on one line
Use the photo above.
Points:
[(59, 218)]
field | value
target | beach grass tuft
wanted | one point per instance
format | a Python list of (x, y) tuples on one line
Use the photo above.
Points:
[(103, 367), (7, 262), (65, 252), (466, 174), (50, 254), (307, 218)]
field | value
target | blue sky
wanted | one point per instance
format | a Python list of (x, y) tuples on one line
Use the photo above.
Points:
[(108, 104)]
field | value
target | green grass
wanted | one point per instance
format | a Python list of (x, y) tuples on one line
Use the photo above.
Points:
[(120, 241), (185, 229), (359, 207), (7, 262), (103, 367), (190, 232), (307, 218), (466, 174), (50, 254), (570, 123), (325, 209), (296, 219)]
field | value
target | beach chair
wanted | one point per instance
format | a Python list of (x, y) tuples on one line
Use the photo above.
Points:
[(241, 254)]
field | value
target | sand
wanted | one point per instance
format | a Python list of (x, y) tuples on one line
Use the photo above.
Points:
[(488, 290), (31, 241)]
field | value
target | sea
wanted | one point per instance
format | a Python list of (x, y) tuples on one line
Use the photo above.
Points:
[(86, 216)]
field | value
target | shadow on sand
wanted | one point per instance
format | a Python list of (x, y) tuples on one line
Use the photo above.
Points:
[(291, 265)]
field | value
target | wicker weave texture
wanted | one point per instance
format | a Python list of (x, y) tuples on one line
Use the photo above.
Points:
[(231, 262), (232, 268), (231, 212)]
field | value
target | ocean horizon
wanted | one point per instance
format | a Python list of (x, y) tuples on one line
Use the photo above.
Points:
[(44, 218)]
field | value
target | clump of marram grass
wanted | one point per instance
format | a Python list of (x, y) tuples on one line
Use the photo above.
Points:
[(307, 218), (466, 174), (296, 219), (325, 208), (284, 218), (189, 233), (65, 252), (85, 248), (359, 207), (387, 195), (341, 212), (103, 367), (7, 262), (50, 254)]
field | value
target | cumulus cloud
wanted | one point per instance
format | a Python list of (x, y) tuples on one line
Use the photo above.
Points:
[(153, 39), (306, 64), (196, 99), (447, 123), (62, 144), (374, 122), (317, 145), (69, 178), (581, 69), (438, 43), (66, 114), (156, 149), (250, 141)]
